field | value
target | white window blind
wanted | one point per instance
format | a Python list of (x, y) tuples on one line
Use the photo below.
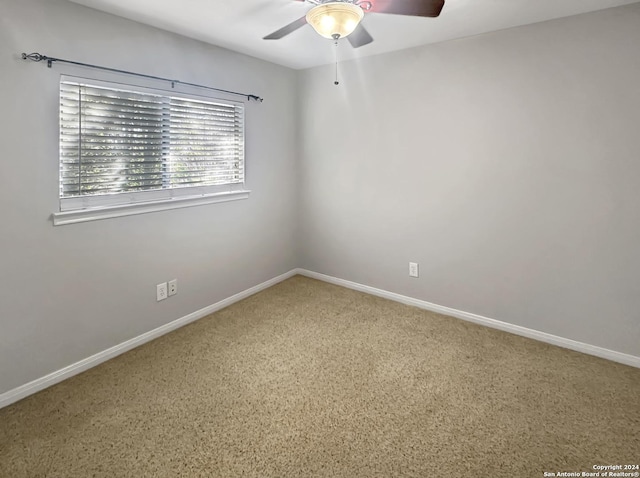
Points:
[(126, 146)]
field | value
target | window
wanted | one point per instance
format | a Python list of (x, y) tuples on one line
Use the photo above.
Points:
[(126, 146)]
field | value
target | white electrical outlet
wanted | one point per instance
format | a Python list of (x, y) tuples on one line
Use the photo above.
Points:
[(173, 287), (161, 291), (413, 269)]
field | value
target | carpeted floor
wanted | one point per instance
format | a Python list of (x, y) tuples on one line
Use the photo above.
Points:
[(307, 379)]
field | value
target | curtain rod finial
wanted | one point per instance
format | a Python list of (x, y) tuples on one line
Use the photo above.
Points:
[(37, 57), (33, 56)]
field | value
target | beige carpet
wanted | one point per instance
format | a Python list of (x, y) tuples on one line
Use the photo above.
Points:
[(307, 379)]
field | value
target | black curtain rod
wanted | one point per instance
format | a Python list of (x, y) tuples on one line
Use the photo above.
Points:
[(37, 57)]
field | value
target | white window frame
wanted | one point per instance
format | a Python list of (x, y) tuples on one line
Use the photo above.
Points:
[(103, 206)]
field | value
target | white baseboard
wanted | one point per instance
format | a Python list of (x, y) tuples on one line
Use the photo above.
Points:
[(612, 355), (34, 386)]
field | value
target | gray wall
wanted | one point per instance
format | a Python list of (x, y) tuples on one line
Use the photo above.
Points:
[(68, 292), (506, 164)]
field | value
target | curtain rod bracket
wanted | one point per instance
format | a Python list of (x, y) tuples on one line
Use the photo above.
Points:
[(37, 57)]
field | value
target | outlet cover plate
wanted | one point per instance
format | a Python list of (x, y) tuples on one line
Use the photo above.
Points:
[(161, 291), (173, 287), (413, 269)]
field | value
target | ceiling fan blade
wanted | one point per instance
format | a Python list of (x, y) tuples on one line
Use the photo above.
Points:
[(418, 8), (284, 31), (359, 37)]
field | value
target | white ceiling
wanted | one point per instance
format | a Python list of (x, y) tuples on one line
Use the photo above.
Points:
[(240, 24)]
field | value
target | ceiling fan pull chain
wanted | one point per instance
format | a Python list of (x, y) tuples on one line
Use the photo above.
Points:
[(336, 82)]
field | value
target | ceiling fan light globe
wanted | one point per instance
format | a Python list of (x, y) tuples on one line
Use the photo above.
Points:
[(335, 18), (327, 22)]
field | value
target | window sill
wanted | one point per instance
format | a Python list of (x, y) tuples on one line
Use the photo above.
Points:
[(106, 212)]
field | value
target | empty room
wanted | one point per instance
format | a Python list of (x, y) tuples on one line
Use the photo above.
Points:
[(309, 238)]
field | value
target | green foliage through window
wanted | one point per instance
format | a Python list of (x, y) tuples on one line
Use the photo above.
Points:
[(117, 141)]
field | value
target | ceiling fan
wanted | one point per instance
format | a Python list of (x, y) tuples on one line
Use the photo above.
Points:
[(341, 18)]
